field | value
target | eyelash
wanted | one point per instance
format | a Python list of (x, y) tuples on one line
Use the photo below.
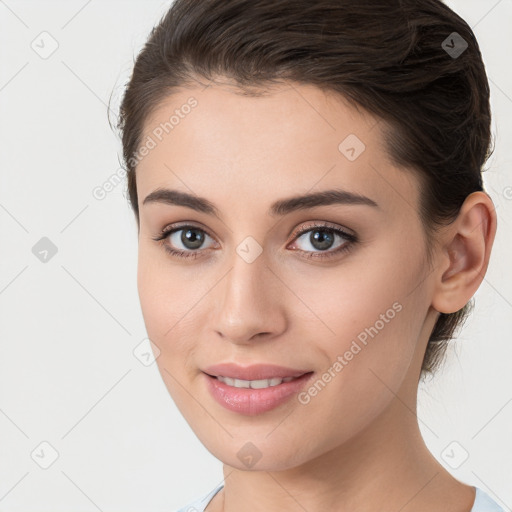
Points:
[(351, 240)]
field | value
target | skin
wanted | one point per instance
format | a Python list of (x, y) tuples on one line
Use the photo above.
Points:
[(356, 445)]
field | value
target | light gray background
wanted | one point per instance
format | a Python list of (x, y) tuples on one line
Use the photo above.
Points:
[(68, 327)]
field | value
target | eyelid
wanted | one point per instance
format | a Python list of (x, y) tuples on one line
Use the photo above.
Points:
[(299, 230), (184, 224), (307, 226)]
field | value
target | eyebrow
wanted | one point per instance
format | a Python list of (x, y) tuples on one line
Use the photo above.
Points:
[(278, 208)]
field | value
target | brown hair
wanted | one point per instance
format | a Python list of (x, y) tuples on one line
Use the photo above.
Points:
[(398, 59)]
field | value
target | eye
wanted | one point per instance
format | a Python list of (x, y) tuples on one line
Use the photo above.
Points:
[(321, 237), (183, 241), (186, 241)]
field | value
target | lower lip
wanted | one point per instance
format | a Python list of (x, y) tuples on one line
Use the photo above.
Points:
[(254, 401)]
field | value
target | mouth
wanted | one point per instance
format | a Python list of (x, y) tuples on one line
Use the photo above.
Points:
[(253, 373), (256, 396), (254, 384)]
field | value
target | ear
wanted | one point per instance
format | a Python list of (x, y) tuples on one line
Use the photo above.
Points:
[(466, 249)]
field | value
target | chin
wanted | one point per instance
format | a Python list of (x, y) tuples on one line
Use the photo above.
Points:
[(254, 453)]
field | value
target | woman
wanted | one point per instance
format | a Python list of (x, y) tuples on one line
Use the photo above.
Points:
[(306, 179)]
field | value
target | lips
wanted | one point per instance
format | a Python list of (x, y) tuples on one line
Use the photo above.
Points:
[(253, 372), (249, 401)]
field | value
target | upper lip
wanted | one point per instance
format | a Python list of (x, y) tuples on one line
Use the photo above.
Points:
[(252, 372)]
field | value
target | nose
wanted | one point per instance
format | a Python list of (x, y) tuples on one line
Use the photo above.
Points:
[(248, 302)]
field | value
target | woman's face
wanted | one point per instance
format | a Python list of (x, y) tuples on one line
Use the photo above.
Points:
[(353, 309)]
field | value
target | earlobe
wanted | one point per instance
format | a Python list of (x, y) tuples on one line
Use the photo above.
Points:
[(466, 253)]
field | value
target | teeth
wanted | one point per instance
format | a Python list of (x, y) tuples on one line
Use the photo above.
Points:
[(254, 384)]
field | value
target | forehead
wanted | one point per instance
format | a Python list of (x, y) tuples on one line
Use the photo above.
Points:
[(217, 142)]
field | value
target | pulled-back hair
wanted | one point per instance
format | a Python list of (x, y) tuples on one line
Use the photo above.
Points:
[(398, 59)]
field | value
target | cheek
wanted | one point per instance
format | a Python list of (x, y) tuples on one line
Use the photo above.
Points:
[(170, 299), (368, 354), (342, 302), (369, 310), (167, 303), (158, 295), (150, 283)]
